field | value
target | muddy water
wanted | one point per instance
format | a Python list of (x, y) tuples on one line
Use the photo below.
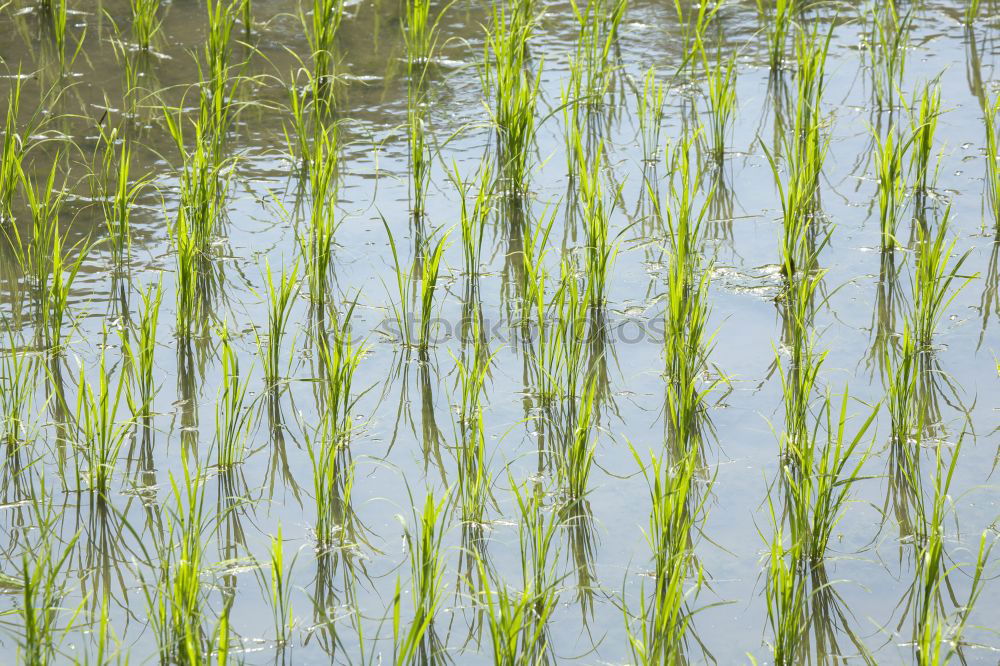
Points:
[(406, 412)]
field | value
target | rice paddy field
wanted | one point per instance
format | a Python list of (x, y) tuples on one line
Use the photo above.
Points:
[(510, 332)]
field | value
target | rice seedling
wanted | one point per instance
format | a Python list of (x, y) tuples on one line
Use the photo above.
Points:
[(321, 33), (657, 632), (424, 544), (685, 219), (339, 359), (820, 481), (799, 377), (694, 21), (804, 154), (41, 587), (18, 379), (12, 150), (246, 12), (592, 67), (176, 600), (574, 465), (214, 100), (933, 628), (145, 22), (316, 242), (900, 371), (58, 14), (798, 200), (402, 313), (420, 157), (971, 12), (686, 350), (558, 354), (991, 118), (936, 280), (923, 124), (508, 83), (777, 22), (473, 473), (101, 434), (533, 252), (720, 78), (518, 619), (204, 181), (420, 34), (140, 358), (280, 298), (222, 635), (430, 266), (786, 592), (234, 416), (473, 222), (46, 259), (596, 210), (650, 114), (811, 51), (188, 302), (890, 157), (118, 194)]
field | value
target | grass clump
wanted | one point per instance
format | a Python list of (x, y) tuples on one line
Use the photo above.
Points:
[(332, 480), (658, 631), (936, 280), (140, 356), (101, 434), (777, 23), (145, 22), (650, 114), (40, 586), (890, 162), (923, 124), (720, 78), (518, 619), (321, 32), (280, 299), (316, 242), (596, 209), (513, 91), (12, 150), (234, 414), (424, 543), (118, 193)]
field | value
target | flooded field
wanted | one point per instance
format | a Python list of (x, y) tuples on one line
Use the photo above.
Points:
[(531, 332)]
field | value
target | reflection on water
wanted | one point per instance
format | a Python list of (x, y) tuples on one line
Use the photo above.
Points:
[(541, 546)]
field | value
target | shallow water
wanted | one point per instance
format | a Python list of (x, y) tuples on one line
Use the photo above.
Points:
[(407, 406)]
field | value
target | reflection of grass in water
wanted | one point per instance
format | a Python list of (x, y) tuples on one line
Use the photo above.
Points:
[(991, 113)]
